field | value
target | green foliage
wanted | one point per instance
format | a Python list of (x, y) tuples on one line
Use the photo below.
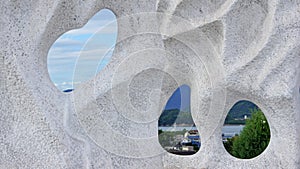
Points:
[(254, 138), (168, 138), (160, 131), (229, 143)]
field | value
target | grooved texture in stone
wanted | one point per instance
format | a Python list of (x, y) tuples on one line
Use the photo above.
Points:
[(226, 51)]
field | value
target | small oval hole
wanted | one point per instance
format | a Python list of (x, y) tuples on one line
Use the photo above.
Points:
[(246, 132)]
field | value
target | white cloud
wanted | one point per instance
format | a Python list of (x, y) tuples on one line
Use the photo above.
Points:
[(89, 54), (65, 41)]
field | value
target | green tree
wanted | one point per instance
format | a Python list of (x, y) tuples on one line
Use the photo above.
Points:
[(229, 143), (254, 138)]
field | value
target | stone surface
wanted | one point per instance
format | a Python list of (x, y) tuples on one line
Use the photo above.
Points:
[(226, 51)]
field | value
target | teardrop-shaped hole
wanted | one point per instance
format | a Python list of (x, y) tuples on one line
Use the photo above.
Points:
[(177, 131), (95, 42), (246, 132)]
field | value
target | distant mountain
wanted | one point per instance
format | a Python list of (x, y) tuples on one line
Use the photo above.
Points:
[(235, 115), (169, 117), (238, 111)]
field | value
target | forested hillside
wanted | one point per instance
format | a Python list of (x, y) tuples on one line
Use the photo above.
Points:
[(235, 115)]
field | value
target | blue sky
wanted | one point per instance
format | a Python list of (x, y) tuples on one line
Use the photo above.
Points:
[(92, 44), (180, 99)]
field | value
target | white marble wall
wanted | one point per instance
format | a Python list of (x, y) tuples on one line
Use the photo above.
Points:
[(224, 50)]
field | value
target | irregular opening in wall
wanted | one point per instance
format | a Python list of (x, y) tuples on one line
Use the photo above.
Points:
[(177, 132), (246, 132), (77, 55)]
